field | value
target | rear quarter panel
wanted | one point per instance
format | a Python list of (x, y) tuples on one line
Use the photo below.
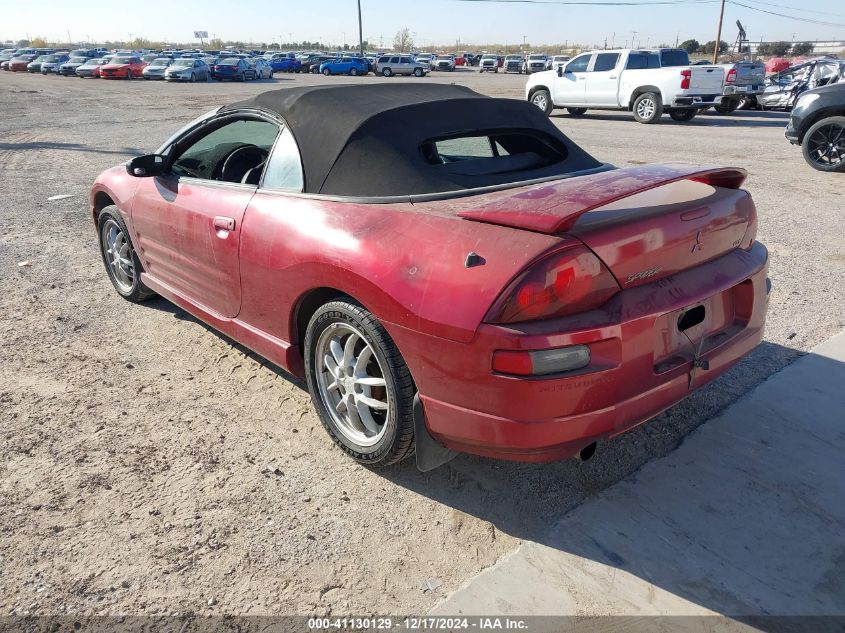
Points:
[(404, 265)]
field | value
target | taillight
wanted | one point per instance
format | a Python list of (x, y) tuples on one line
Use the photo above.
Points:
[(566, 282), (731, 76), (686, 78)]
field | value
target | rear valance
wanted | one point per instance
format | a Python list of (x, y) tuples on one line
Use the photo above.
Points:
[(552, 208)]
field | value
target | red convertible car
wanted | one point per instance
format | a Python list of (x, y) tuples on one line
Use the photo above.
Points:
[(448, 271)]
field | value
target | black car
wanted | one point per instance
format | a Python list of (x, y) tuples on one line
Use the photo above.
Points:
[(817, 124)]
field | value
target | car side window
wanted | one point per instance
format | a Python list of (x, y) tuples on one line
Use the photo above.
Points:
[(605, 61), (579, 64), (234, 152), (406, 60), (284, 169), (642, 61), (394, 60), (383, 60)]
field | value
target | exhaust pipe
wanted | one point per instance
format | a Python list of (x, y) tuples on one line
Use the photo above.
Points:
[(587, 452)]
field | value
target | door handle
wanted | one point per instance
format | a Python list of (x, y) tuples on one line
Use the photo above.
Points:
[(224, 224), (613, 76)]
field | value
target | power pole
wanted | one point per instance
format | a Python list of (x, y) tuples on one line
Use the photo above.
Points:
[(719, 34), (634, 39), (360, 31)]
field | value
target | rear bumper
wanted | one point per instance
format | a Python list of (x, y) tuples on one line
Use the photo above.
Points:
[(742, 91), (633, 375), (697, 101)]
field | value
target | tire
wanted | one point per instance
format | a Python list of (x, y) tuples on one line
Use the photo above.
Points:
[(682, 116), (726, 109), (193, 78), (129, 75), (647, 108), (109, 220), (749, 103), (829, 131), (577, 111), (353, 72), (327, 72), (543, 100), (386, 72), (418, 72), (242, 77), (343, 329)]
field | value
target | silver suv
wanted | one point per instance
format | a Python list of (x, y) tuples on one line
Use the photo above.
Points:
[(389, 65)]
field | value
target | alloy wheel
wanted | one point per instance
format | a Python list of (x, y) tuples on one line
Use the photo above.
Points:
[(646, 108), (826, 146), (540, 101), (351, 384), (118, 255)]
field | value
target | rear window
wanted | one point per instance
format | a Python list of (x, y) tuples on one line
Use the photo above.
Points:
[(498, 152), (674, 58), (641, 61)]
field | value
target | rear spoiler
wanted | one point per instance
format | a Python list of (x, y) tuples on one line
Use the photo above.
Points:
[(552, 208)]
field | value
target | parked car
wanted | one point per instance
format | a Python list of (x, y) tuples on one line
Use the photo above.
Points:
[(506, 270), (537, 63), (263, 70), (445, 63), (19, 63), (123, 67), (353, 66), (744, 83), (460, 61), (92, 67), (389, 65), (514, 64), (53, 63), (312, 64), (626, 79), (187, 69), (426, 59), (157, 67), (68, 69), (35, 65), (5, 56), (285, 64), (817, 124), (784, 88), (559, 61), (234, 68), (490, 63)]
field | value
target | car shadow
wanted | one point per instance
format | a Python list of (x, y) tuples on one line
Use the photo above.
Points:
[(70, 147), (528, 501)]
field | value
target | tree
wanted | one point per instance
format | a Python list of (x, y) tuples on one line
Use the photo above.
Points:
[(403, 41), (709, 47), (802, 48), (22, 43), (690, 46), (777, 49), (39, 42)]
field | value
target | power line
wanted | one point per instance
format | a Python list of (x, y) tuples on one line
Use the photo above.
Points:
[(790, 17), (799, 9), (599, 3)]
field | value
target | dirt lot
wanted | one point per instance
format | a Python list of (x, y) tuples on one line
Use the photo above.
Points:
[(147, 465)]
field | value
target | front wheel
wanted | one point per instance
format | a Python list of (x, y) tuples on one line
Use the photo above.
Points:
[(543, 100), (577, 111), (418, 72), (387, 72), (824, 145), (326, 72), (359, 383), (121, 261), (648, 108), (353, 72), (682, 116)]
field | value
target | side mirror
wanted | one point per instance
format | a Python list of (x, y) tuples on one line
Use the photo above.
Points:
[(560, 71), (143, 166)]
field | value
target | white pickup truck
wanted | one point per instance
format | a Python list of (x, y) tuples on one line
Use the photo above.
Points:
[(648, 83)]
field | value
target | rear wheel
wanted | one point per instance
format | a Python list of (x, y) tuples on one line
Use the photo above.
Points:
[(353, 72), (726, 107), (577, 111), (824, 145), (387, 72), (543, 100), (647, 108), (359, 384), (683, 115), (121, 261)]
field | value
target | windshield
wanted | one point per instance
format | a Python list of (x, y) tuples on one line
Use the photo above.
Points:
[(52, 58), (489, 57), (232, 61), (27, 58), (121, 60), (41, 58), (537, 58), (77, 60), (183, 62), (561, 58), (513, 57), (161, 61)]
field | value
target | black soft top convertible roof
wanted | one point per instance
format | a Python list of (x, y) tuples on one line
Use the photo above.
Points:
[(365, 140)]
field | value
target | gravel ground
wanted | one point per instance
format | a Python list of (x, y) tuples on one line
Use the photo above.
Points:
[(148, 465)]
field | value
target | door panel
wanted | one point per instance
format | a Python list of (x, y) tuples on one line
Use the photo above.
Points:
[(603, 80), (569, 88), (174, 222)]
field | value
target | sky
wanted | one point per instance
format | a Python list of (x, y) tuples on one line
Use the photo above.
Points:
[(431, 21)]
